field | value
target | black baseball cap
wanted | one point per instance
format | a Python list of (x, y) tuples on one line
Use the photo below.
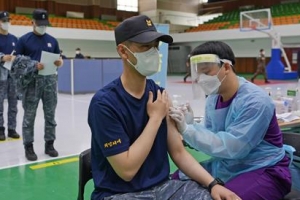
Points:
[(4, 15), (41, 17), (139, 29)]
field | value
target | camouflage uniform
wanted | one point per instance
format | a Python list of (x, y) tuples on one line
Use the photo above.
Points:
[(34, 87), (261, 65), (44, 88), (8, 89)]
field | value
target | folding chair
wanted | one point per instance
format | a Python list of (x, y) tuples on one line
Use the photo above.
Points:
[(292, 139), (85, 172)]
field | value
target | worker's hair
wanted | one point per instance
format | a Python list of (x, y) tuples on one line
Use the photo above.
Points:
[(215, 47)]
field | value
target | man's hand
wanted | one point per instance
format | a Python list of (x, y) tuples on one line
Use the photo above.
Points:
[(39, 66), (58, 63), (159, 108), (178, 116), (219, 192), (7, 58)]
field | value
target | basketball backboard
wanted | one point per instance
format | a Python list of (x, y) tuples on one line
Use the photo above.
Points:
[(255, 20)]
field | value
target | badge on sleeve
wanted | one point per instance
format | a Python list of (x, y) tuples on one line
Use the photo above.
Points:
[(49, 45), (13, 44)]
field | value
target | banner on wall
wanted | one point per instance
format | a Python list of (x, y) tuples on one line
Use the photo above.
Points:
[(161, 77)]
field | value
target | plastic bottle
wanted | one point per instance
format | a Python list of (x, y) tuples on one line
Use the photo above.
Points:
[(278, 95), (281, 106), (292, 99), (269, 91), (175, 100), (286, 106)]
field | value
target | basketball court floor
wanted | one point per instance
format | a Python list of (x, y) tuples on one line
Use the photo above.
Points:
[(49, 178)]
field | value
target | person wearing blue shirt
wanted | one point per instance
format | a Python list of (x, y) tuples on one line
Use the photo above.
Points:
[(132, 133), (78, 54), (62, 55), (8, 43), (41, 87)]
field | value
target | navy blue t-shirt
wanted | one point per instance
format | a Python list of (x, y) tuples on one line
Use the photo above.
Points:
[(32, 45), (8, 43), (116, 120)]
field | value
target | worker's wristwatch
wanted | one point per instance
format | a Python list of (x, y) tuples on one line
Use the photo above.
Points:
[(217, 181)]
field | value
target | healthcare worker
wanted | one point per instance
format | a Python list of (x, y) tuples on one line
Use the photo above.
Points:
[(239, 131)]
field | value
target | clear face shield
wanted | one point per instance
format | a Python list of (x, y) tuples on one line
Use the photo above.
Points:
[(201, 66)]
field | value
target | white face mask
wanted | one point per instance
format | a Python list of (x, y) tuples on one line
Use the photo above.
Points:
[(77, 52), (210, 84), (5, 25), (147, 62), (41, 29)]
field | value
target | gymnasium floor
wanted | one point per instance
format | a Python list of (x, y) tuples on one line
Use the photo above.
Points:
[(57, 178)]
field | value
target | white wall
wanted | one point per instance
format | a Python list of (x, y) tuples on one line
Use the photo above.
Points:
[(93, 48), (179, 18), (175, 17), (92, 43), (101, 43), (153, 14)]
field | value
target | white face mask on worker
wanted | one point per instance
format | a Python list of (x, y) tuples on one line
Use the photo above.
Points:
[(210, 84)]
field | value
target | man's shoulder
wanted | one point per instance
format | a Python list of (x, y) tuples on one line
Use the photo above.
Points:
[(249, 93), (105, 93), (25, 37), (151, 83), (12, 36), (50, 36)]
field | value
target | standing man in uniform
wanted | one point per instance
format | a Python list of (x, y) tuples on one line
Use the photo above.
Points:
[(62, 55), (8, 43), (261, 66), (41, 87)]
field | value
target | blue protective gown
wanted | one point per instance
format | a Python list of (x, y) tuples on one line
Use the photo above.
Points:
[(233, 136)]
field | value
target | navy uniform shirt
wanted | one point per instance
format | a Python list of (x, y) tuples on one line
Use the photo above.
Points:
[(79, 56), (32, 45), (8, 43), (116, 120)]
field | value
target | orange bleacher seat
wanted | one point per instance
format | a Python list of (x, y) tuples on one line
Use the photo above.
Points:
[(67, 22)]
